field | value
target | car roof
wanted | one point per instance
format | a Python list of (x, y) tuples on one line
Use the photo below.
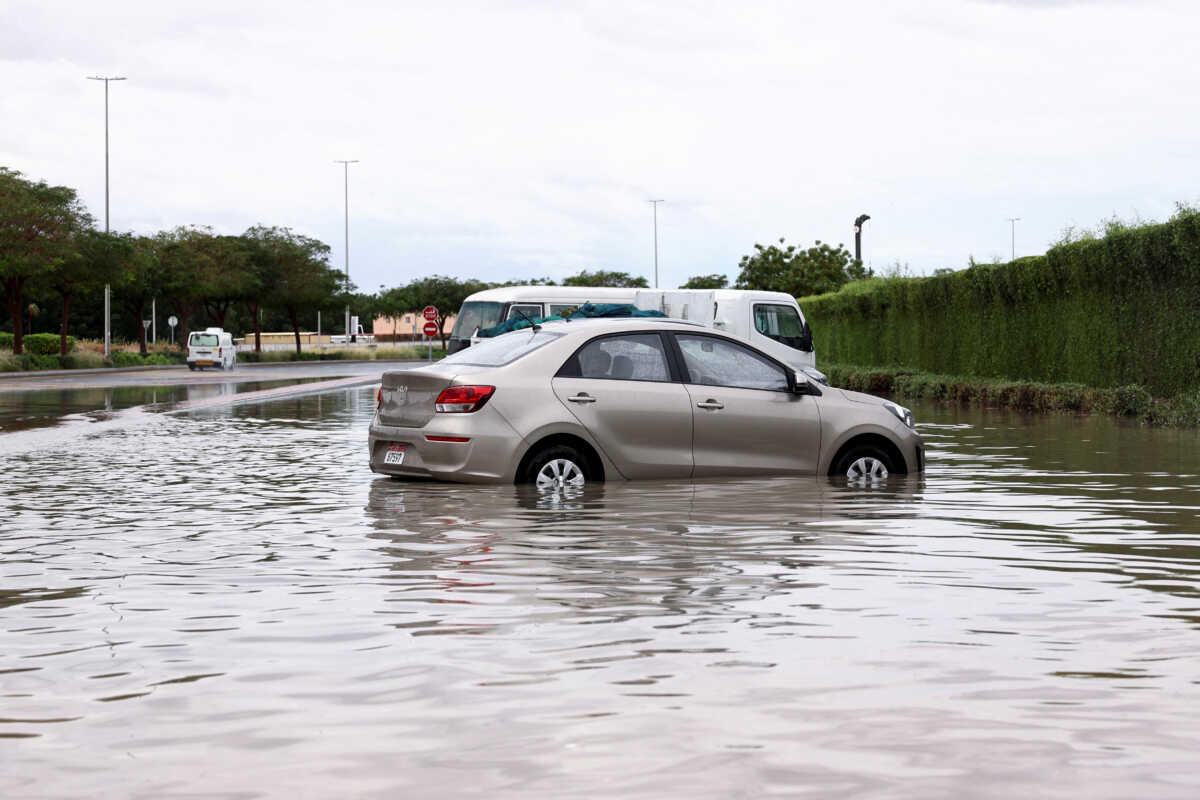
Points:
[(589, 325)]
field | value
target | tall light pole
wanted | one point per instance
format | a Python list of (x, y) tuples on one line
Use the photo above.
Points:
[(1012, 222), (346, 190), (654, 204), (858, 223), (107, 287)]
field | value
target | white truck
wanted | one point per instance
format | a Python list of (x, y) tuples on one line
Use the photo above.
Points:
[(772, 321), (212, 347)]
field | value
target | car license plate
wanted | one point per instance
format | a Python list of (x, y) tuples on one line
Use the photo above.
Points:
[(204, 363), (395, 454)]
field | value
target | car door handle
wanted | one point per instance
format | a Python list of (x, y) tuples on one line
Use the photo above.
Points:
[(582, 398), (710, 404)]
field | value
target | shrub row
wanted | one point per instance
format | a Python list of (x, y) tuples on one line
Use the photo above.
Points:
[(83, 359), (1120, 310), (1182, 410), (375, 354)]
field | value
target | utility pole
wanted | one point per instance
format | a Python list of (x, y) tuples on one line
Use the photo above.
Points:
[(1012, 221), (107, 287), (858, 223), (655, 203), (346, 190)]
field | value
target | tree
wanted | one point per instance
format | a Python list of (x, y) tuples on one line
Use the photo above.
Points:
[(819, 269), (603, 277), (140, 278), (714, 281), (301, 278), (184, 260), (446, 293), (224, 273), (396, 302), (38, 224), (97, 260)]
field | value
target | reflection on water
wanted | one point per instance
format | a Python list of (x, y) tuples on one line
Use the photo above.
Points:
[(42, 408), (235, 589)]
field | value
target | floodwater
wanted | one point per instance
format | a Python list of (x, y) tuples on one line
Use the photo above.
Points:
[(227, 604)]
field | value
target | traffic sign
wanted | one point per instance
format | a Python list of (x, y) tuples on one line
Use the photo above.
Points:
[(172, 320), (431, 329), (430, 313)]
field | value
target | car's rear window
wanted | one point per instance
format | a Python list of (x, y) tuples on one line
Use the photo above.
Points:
[(204, 340), (503, 349)]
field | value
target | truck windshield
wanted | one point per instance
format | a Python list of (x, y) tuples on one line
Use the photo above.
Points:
[(203, 340), (781, 323), (475, 314)]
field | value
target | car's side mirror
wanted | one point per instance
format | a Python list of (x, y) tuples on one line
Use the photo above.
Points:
[(802, 384)]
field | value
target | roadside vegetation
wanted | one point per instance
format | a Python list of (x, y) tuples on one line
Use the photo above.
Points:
[(1132, 401), (1111, 308), (1107, 321)]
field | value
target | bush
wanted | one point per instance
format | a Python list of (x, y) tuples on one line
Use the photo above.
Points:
[(45, 344), (82, 359), (124, 358), (1109, 312), (6, 341)]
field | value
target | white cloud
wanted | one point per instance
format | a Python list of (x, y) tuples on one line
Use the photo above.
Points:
[(507, 139)]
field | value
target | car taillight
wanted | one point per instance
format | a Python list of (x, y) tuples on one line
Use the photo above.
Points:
[(463, 399), (379, 399)]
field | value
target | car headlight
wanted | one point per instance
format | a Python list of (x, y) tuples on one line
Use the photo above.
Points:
[(902, 413)]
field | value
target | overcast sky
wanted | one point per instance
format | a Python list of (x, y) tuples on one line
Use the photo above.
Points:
[(518, 139)]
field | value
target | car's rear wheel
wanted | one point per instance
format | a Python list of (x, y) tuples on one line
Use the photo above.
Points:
[(558, 467), (864, 463)]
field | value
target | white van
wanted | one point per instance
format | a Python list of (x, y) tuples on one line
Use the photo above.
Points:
[(211, 347), (772, 321)]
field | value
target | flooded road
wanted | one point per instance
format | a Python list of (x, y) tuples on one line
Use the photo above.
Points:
[(228, 604)]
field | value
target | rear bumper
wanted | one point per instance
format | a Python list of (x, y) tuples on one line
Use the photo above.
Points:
[(484, 458)]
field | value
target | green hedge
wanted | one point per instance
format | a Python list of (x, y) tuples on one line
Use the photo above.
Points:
[(45, 344), (1120, 310), (6, 341)]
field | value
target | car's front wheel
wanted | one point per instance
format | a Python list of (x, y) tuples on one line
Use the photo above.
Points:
[(557, 467), (864, 463)]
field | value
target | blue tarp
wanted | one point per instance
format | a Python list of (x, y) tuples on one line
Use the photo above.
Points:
[(585, 311)]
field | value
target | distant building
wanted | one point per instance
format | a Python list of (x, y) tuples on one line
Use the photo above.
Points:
[(405, 328)]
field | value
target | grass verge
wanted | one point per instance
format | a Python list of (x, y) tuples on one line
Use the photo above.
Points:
[(1181, 411)]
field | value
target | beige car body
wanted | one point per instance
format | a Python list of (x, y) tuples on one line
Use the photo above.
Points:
[(627, 429)]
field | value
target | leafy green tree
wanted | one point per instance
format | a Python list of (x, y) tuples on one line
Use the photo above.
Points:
[(38, 226), (184, 258), (224, 273), (97, 260), (140, 278), (301, 279), (604, 277), (819, 269), (714, 281), (446, 293), (396, 302)]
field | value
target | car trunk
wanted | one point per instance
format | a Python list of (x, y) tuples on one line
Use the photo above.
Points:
[(409, 395)]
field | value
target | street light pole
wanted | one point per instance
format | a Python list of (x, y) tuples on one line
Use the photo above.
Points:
[(654, 204), (346, 198), (858, 223), (107, 287), (1012, 221)]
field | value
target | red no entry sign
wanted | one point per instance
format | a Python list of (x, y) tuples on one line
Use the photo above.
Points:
[(430, 313), (431, 329)]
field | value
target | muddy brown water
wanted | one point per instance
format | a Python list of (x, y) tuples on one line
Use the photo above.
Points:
[(228, 604)]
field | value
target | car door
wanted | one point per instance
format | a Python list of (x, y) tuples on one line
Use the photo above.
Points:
[(746, 421), (621, 390)]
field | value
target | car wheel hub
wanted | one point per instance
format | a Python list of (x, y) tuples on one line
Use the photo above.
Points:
[(559, 473), (867, 469)]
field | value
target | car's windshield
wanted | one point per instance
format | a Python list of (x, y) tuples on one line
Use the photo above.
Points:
[(475, 314), (503, 349), (781, 323), (203, 340)]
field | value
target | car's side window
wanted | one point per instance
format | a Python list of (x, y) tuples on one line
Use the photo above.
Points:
[(710, 361), (562, 310), (635, 357)]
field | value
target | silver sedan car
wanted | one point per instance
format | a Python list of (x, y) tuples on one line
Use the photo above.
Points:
[(567, 403)]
